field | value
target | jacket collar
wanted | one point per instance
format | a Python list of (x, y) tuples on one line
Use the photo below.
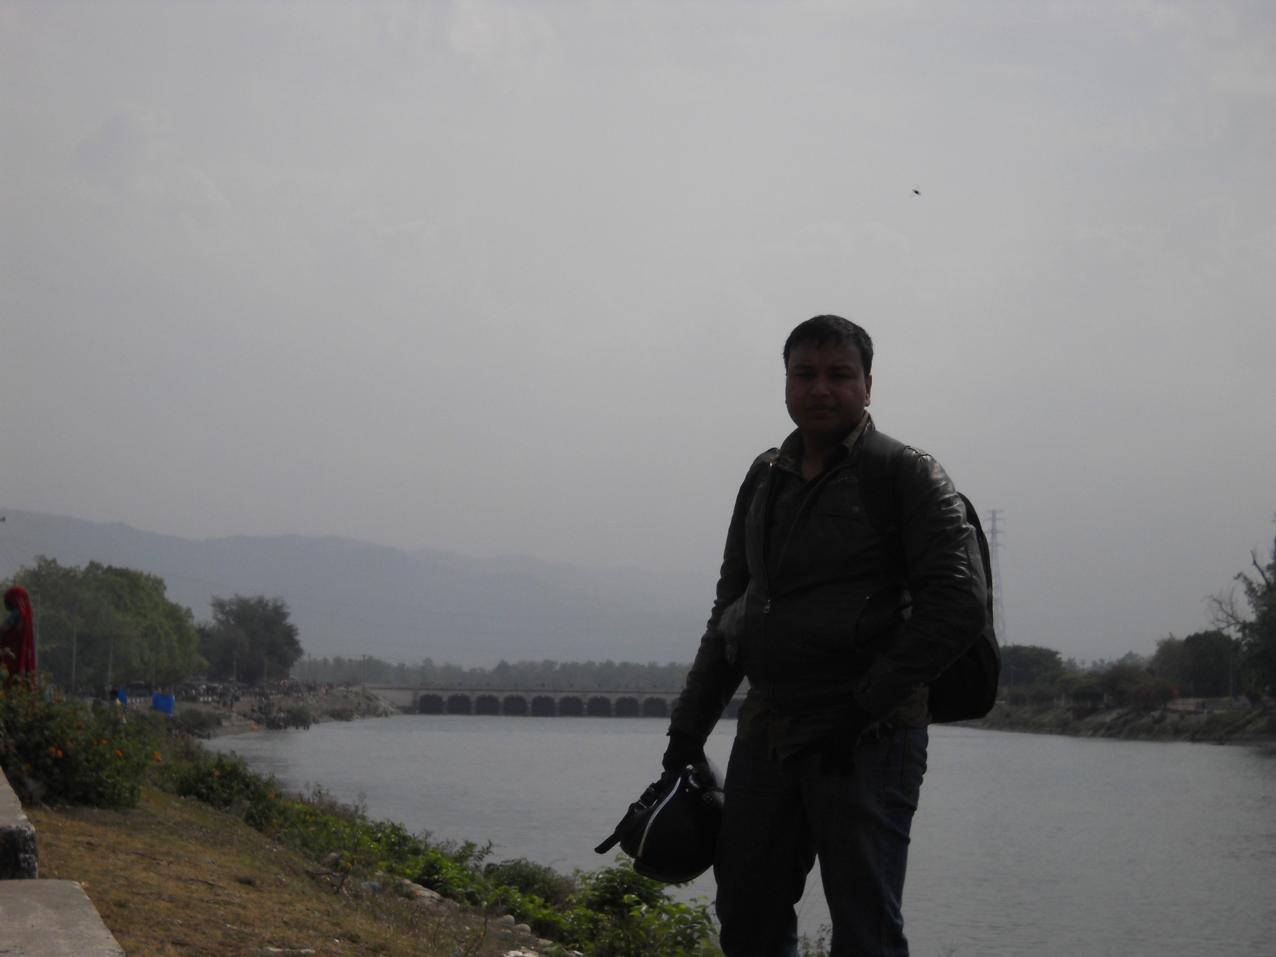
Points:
[(790, 455)]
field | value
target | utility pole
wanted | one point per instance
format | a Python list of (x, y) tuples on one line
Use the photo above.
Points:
[(994, 550)]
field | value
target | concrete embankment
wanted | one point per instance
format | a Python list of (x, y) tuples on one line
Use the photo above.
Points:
[(1240, 724), (42, 918)]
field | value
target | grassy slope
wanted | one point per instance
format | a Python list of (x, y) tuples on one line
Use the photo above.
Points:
[(174, 876)]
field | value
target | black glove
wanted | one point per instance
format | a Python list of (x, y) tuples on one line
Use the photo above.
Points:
[(682, 750)]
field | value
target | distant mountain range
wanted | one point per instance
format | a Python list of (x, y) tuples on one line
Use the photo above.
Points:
[(352, 598)]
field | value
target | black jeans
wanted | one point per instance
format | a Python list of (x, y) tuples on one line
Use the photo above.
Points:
[(778, 817)]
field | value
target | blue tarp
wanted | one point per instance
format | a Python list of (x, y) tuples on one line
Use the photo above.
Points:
[(165, 703)]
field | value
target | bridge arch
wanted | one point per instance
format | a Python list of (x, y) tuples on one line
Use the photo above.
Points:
[(538, 702), (655, 708)]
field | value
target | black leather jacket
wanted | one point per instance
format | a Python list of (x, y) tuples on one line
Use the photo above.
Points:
[(819, 604)]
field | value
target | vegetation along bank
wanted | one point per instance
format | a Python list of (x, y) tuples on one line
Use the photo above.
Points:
[(186, 852)]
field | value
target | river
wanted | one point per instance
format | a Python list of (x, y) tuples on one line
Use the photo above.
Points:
[(1023, 844)]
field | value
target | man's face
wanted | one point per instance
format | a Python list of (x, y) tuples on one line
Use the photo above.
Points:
[(826, 390)]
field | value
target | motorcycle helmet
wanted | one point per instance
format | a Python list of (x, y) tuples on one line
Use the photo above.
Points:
[(671, 831)]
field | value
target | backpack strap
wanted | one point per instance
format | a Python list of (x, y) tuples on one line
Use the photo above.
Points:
[(968, 689), (877, 462)]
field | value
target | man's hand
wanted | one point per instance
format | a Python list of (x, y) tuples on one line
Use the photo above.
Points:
[(682, 750)]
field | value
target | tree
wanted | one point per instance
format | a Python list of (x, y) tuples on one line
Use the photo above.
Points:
[(1201, 665), (250, 639), (102, 626), (1170, 662), (1257, 632), (1030, 664), (1122, 682), (1211, 660)]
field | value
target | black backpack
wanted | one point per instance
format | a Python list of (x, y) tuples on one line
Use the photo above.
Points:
[(968, 688)]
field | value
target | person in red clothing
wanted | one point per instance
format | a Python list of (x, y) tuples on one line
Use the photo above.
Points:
[(17, 637)]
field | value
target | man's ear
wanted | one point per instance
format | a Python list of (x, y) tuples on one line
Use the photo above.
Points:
[(868, 390)]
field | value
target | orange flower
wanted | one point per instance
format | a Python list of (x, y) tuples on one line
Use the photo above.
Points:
[(159, 757), (119, 753)]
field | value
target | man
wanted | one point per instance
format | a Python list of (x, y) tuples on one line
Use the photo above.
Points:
[(838, 616)]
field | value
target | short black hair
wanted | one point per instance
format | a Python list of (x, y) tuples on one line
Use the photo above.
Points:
[(834, 329)]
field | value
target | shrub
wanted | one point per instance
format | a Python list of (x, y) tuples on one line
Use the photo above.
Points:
[(530, 878), (197, 721), (622, 914), (55, 749), (613, 912), (293, 716), (225, 782)]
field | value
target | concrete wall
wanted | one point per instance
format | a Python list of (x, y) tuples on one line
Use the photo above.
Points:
[(40, 918)]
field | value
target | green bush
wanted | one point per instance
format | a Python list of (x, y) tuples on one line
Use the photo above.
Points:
[(197, 721), (620, 913), (57, 749), (225, 782), (293, 716), (613, 912), (529, 878)]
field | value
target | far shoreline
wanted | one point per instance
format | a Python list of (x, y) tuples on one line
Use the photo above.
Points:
[(1215, 723), (1232, 723)]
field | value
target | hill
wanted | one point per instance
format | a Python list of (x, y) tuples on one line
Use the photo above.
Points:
[(350, 598)]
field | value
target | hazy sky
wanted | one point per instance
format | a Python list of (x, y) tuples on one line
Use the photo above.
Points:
[(513, 277)]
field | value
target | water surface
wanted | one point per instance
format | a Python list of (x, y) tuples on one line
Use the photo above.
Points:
[(1023, 844)]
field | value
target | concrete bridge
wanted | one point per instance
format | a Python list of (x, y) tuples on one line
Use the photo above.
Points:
[(536, 703)]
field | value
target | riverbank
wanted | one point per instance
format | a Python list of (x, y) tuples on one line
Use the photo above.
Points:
[(153, 820), (1235, 725), (175, 876), (1217, 724), (298, 707)]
